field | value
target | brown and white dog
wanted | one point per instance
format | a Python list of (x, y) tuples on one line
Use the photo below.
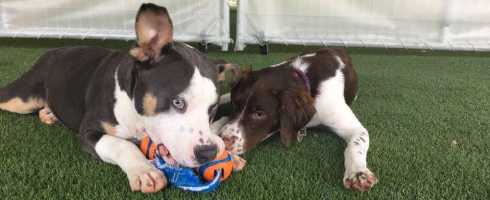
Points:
[(308, 90)]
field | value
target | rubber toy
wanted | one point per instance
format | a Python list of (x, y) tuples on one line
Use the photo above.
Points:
[(205, 178)]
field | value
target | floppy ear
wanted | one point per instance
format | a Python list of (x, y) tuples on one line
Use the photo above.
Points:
[(153, 31), (297, 109)]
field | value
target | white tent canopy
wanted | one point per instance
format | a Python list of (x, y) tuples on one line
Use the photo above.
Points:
[(194, 20), (434, 24)]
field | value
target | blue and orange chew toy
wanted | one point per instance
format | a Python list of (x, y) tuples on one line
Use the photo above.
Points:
[(205, 178)]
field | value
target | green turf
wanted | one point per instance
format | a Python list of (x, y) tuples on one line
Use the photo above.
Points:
[(427, 113)]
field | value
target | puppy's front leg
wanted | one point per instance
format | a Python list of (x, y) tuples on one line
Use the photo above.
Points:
[(342, 120), (142, 175), (333, 111)]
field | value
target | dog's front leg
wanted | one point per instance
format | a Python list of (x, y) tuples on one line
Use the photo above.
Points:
[(333, 111), (142, 175), (357, 176), (338, 116)]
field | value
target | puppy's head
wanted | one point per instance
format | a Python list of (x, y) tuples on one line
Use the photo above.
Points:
[(172, 97), (264, 102)]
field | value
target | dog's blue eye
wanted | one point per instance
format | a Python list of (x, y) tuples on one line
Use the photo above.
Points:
[(179, 104)]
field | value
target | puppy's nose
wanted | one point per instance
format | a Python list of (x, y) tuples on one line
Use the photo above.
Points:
[(205, 153)]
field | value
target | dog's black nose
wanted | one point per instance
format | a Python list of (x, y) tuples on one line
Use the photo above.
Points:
[(205, 153)]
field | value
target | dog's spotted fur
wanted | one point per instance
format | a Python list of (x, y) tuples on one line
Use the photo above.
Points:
[(278, 99)]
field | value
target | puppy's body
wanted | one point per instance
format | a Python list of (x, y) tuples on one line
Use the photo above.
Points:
[(308, 90), (163, 88)]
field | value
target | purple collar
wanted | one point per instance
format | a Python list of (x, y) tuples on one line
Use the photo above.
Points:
[(304, 78)]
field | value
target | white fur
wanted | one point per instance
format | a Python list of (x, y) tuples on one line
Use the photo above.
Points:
[(129, 121), (332, 111), (119, 151), (128, 157), (225, 98), (233, 130), (279, 64), (308, 55), (218, 124), (300, 64), (341, 63), (298, 61), (181, 132)]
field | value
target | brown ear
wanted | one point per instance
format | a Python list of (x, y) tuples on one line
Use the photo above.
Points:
[(297, 109), (153, 31)]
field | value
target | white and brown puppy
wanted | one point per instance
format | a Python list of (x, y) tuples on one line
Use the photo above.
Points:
[(162, 87), (305, 91)]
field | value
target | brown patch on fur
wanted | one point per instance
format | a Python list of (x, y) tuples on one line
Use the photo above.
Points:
[(149, 104), (108, 128), (17, 105)]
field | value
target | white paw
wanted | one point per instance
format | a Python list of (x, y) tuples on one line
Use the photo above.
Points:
[(46, 116), (360, 181), (146, 178)]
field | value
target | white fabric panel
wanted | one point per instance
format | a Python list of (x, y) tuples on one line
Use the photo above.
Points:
[(434, 24), (194, 20)]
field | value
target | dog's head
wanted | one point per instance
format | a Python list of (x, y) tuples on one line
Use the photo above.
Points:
[(170, 92), (264, 102)]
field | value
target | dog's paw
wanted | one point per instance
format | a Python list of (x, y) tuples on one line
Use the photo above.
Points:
[(146, 179), (46, 116), (360, 181)]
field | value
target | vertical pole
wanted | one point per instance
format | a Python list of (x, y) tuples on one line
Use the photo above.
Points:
[(239, 25), (445, 22), (224, 25)]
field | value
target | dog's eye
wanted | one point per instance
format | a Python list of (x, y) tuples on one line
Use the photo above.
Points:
[(179, 104), (258, 115)]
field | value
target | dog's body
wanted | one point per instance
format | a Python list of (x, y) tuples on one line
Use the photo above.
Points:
[(162, 88), (308, 90)]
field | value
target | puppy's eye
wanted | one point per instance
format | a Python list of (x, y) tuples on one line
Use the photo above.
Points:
[(179, 104), (258, 115)]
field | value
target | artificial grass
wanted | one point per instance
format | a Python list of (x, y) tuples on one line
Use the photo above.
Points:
[(427, 114)]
